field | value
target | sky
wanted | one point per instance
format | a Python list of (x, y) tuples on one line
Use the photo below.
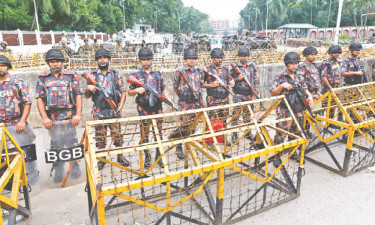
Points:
[(218, 9)]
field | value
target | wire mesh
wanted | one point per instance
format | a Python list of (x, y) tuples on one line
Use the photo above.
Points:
[(231, 169), (343, 137)]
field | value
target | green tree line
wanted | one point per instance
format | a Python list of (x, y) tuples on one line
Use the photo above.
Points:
[(101, 15), (320, 13)]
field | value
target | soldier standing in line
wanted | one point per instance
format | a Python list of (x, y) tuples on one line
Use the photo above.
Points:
[(95, 46), (59, 100), (15, 105), (310, 72), (86, 49), (68, 51), (351, 69), (186, 98), (330, 73), (113, 82), (282, 85), (241, 88), (148, 104), (217, 95)]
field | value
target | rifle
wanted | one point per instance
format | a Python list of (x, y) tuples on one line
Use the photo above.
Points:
[(192, 88), (107, 98), (134, 80), (221, 83), (302, 99), (246, 80)]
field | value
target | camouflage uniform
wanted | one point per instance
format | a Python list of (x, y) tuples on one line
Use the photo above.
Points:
[(224, 75), (95, 47), (311, 76), (86, 50), (282, 112), (68, 52), (14, 95), (252, 76), (118, 49), (330, 68), (59, 94), (105, 81), (155, 80), (349, 64), (8, 51)]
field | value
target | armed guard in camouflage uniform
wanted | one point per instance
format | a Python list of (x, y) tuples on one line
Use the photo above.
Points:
[(86, 49), (311, 72), (186, 98), (330, 74), (68, 52), (241, 88), (351, 69), (4, 48), (148, 104), (282, 85), (330, 69), (113, 83), (217, 95), (15, 105), (59, 100)]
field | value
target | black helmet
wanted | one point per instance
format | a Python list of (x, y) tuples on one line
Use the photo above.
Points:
[(334, 49), (102, 52), (217, 53), (190, 54), (291, 57), (145, 53), (309, 50), (54, 54), (5, 60), (243, 52), (355, 46)]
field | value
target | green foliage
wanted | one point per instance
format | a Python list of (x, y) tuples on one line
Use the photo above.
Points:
[(306, 11), (102, 15), (14, 15)]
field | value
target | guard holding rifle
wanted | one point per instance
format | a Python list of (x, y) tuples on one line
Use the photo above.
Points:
[(351, 69), (148, 103), (310, 72), (217, 94), (291, 84), (246, 86), (110, 86), (187, 85)]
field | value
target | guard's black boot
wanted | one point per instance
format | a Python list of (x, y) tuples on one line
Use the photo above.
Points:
[(180, 152), (147, 162), (157, 155), (122, 160), (101, 164)]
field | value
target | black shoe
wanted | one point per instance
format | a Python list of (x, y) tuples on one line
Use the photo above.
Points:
[(123, 161), (157, 155), (180, 152), (101, 164), (147, 162)]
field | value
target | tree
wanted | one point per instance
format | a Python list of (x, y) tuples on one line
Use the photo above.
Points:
[(13, 15)]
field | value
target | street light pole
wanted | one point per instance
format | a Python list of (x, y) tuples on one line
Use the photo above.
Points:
[(156, 20), (268, 2), (122, 3), (338, 22), (36, 16)]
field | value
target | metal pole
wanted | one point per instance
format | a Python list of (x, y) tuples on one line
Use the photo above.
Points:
[(36, 16), (267, 19), (122, 3), (338, 22)]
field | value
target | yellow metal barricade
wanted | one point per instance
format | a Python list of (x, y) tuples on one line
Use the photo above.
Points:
[(231, 168), (13, 181), (342, 127)]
